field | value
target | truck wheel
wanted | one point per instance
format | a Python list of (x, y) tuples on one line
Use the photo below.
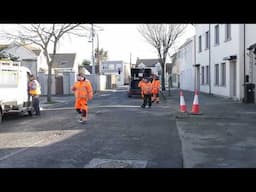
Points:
[(30, 113)]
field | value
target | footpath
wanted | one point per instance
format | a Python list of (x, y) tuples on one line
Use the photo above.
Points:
[(223, 136)]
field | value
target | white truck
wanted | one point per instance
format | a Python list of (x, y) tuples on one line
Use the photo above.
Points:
[(14, 95)]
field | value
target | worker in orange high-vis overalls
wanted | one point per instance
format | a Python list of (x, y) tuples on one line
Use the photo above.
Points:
[(34, 90), (83, 92), (155, 89), (140, 84), (147, 93)]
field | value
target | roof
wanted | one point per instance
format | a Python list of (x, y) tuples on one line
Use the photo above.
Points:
[(35, 50), (89, 68), (187, 42), (174, 54), (147, 62), (112, 62), (3, 46), (63, 60), (252, 46)]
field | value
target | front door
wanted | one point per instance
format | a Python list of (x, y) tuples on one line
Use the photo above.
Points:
[(59, 85), (233, 79), (197, 78)]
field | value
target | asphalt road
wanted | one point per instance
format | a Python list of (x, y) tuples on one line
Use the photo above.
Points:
[(118, 132)]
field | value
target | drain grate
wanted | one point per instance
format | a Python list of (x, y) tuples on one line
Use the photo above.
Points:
[(111, 163)]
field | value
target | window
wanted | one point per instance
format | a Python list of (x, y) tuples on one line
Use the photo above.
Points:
[(200, 43), (207, 75), (202, 82), (207, 40), (228, 32), (111, 67), (223, 74), (8, 78), (217, 74), (217, 35)]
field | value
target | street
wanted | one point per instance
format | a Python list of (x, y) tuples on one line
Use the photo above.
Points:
[(119, 133)]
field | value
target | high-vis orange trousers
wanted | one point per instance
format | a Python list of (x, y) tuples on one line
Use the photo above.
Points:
[(81, 104)]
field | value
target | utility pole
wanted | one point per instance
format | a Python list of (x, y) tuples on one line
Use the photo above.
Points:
[(93, 64), (98, 53), (130, 59), (93, 56)]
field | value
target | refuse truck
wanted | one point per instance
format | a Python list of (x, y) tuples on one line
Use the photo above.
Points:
[(14, 96), (137, 74)]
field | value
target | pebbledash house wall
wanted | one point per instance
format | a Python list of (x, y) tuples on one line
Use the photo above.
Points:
[(225, 48), (250, 39), (186, 62)]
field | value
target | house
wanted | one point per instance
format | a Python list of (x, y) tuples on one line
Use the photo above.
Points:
[(64, 62), (89, 69), (186, 70), (225, 58), (175, 71), (64, 72), (119, 69), (154, 64), (29, 55), (250, 59)]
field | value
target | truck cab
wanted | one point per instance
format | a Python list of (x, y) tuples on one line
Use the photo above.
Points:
[(137, 74), (14, 96)]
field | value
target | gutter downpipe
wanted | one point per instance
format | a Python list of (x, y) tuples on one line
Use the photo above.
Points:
[(209, 75), (195, 72), (244, 59)]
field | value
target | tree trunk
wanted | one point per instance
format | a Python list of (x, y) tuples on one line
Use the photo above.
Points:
[(163, 76), (49, 84)]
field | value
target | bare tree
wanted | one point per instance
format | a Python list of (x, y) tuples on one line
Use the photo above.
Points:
[(162, 37), (47, 36)]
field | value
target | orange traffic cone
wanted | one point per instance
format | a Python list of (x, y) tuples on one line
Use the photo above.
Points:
[(195, 106), (183, 107)]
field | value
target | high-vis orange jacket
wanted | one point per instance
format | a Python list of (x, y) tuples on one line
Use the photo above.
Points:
[(83, 90), (141, 83), (155, 86), (147, 88)]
